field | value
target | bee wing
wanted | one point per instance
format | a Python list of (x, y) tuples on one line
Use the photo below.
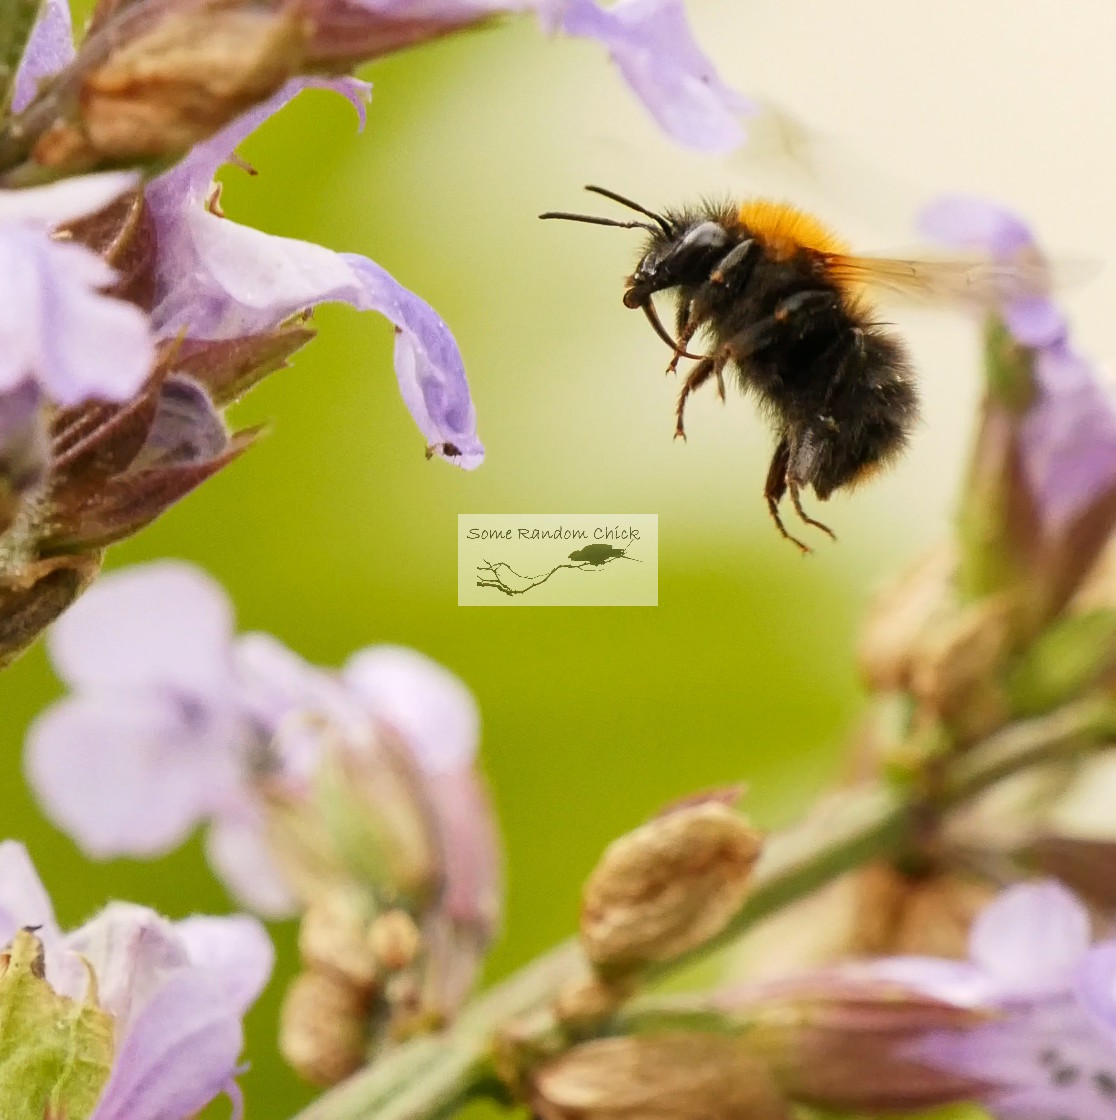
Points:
[(973, 280)]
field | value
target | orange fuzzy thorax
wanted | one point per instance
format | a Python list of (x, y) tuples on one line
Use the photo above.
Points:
[(784, 230)]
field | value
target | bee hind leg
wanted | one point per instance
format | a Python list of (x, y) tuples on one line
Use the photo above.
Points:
[(774, 489)]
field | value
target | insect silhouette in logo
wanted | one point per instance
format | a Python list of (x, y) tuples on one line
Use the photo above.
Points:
[(785, 307)]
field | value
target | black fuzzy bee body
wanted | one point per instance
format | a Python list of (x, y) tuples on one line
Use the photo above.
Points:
[(764, 284)]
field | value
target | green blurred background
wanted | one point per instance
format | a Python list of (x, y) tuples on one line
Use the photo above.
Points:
[(336, 533)]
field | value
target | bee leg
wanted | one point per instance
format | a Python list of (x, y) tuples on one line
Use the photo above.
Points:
[(694, 380), (774, 489), (801, 470), (686, 331)]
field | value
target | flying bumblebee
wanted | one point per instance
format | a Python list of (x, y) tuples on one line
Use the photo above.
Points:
[(783, 305)]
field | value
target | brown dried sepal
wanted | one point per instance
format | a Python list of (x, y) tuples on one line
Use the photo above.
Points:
[(667, 887), (670, 1076)]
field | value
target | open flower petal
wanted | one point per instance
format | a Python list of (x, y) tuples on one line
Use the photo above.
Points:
[(162, 624), (180, 1053), (651, 43), (123, 774), (430, 707), (1031, 938), (49, 48), (64, 201), (238, 852), (23, 899), (56, 326), (236, 950)]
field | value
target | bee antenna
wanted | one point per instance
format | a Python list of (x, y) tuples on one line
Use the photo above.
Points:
[(592, 220), (658, 219)]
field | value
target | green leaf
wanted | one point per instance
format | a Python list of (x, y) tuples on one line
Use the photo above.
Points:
[(17, 18), (55, 1053)]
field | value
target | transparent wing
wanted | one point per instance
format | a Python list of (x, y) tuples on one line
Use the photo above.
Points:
[(970, 280)]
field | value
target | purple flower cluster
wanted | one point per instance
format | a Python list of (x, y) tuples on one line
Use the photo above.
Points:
[(1048, 1047), (174, 721), (177, 992)]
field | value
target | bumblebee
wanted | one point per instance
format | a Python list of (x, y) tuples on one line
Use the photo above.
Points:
[(783, 305)]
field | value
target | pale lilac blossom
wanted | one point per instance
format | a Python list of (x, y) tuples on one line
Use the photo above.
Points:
[(49, 48), (177, 992), (652, 46), (1068, 435), (174, 722), (1048, 1048)]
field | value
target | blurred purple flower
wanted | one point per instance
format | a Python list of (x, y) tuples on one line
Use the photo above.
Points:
[(651, 43), (217, 279), (49, 48), (1049, 1049), (174, 722), (1068, 435), (177, 992)]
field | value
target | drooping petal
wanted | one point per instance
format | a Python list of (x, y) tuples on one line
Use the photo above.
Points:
[(651, 43), (64, 201), (238, 852), (236, 949), (125, 774), (49, 48), (431, 708), (1031, 938), (221, 280), (56, 327), (161, 624), (180, 1053)]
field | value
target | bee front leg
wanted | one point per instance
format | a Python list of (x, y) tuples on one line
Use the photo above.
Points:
[(687, 327), (694, 380)]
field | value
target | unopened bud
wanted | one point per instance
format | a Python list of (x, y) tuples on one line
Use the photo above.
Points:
[(394, 940), (848, 1044), (171, 78), (322, 1028), (670, 1076), (667, 887), (332, 938), (585, 1002)]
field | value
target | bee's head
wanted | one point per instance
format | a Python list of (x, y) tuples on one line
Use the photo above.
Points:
[(678, 252)]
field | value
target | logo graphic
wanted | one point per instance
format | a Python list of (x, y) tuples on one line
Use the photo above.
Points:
[(506, 560)]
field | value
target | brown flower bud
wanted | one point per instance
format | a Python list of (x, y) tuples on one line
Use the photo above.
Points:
[(156, 80), (322, 1028), (394, 940), (846, 1044), (670, 1076), (332, 938), (667, 887)]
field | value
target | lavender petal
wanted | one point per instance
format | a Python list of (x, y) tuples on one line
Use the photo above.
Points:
[(49, 48)]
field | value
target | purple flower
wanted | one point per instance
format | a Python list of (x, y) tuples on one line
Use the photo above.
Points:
[(1049, 1047), (216, 279), (177, 992), (174, 722), (57, 331), (1068, 435), (651, 43)]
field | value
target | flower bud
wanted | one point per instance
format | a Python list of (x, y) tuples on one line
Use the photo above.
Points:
[(57, 1053), (394, 940), (845, 1044), (667, 887), (155, 81), (322, 1028), (670, 1076), (333, 938)]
